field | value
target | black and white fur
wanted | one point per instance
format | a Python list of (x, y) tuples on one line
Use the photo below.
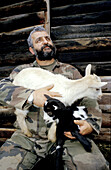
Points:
[(65, 115)]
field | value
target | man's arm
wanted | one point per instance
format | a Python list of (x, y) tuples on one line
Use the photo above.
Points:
[(93, 123), (15, 96)]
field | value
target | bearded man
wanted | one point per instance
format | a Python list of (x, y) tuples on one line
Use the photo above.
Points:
[(21, 152)]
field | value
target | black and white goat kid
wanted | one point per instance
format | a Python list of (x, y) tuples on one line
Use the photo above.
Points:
[(65, 116)]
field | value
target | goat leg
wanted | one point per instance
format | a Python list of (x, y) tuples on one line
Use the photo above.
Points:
[(83, 140)]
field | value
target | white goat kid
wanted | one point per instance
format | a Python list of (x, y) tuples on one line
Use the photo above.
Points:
[(71, 90)]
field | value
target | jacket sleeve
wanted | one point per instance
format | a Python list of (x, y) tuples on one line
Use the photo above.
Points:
[(15, 96), (94, 112)]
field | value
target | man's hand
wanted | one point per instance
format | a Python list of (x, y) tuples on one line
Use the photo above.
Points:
[(39, 98), (85, 128)]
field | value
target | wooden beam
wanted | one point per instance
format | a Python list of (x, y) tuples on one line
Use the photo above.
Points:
[(28, 6), (105, 102), (106, 120), (81, 19), (99, 68), (80, 44), (47, 17), (80, 8), (21, 21), (104, 135), (85, 56), (9, 2), (81, 31), (57, 3)]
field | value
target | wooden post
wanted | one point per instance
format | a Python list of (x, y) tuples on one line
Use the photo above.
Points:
[(47, 17)]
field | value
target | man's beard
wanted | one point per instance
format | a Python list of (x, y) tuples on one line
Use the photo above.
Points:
[(46, 55)]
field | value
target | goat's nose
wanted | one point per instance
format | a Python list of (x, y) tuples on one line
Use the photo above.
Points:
[(99, 97)]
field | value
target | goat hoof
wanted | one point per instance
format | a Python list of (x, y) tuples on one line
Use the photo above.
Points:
[(29, 134)]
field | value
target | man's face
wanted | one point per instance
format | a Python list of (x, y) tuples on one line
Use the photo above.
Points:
[(43, 46)]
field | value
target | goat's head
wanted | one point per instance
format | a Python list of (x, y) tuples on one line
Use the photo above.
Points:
[(94, 84), (53, 106)]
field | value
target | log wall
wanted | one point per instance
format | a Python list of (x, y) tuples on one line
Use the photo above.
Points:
[(17, 19), (81, 31)]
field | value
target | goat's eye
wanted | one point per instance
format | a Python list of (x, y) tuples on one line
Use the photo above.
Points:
[(97, 89), (55, 107), (82, 116)]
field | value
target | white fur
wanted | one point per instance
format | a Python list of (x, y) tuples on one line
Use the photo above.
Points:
[(71, 90), (80, 113)]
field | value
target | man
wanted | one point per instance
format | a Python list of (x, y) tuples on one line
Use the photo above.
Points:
[(21, 152)]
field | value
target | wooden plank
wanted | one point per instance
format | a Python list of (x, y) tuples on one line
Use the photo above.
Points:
[(90, 18), (11, 23), (16, 34), (85, 56), (5, 71), (6, 133), (105, 108), (57, 3), (93, 43), (22, 8), (17, 59), (106, 99), (104, 135), (81, 8), (47, 17), (81, 31), (7, 117), (99, 68), (106, 120), (9, 2)]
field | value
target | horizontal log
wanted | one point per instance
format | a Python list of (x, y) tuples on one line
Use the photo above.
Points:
[(57, 3), (106, 88), (5, 71), (6, 133), (104, 135), (106, 119), (82, 8), (16, 34), (86, 44), (7, 117), (28, 6), (64, 32), (21, 21), (90, 56), (81, 31), (105, 108), (99, 68), (106, 100), (16, 59), (90, 18), (9, 2)]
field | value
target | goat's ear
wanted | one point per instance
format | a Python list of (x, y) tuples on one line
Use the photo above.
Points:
[(88, 70), (103, 84), (48, 97)]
